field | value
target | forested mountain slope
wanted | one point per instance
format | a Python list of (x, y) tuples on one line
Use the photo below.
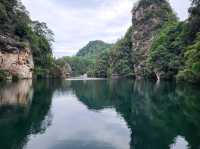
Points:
[(93, 48)]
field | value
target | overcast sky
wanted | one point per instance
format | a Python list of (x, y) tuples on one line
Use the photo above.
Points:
[(76, 22)]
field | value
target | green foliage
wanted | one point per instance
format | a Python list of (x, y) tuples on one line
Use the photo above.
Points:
[(186, 75), (191, 70), (89, 59), (3, 14), (117, 59), (16, 23), (102, 66), (175, 50), (79, 65), (166, 51), (4, 75), (169, 55), (13, 16), (121, 56), (93, 48), (15, 78), (194, 19), (41, 38)]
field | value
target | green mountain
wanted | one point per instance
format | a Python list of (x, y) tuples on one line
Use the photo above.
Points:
[(157, 45), (127, 57), (93, 48)]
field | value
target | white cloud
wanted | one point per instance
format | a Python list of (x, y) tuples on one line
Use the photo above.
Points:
[(75, 26), (181, 8), (77, 22)]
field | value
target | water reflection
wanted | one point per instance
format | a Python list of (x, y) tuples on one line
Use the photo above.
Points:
[(18, 93), (156, 114), (23, 112), (76, 127), (180, 142), (118, 114)]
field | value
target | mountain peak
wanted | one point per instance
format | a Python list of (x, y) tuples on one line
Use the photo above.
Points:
[(93, 48), (148, 18)]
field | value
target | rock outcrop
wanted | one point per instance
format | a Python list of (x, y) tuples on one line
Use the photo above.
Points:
[(148, 18), (15, 58)]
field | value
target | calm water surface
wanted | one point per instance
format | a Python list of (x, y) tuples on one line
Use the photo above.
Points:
[(101, 114)]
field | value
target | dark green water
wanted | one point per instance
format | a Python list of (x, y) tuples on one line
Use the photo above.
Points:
[(123, 114)]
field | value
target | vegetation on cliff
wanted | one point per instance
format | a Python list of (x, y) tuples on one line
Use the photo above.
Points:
[(100, 59), (156, 46), (191, 69), (127, 57), (16, 24), (165, 55), (118, 60), (175, 51)]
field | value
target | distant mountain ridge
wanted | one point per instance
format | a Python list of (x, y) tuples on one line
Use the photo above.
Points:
[(93, 48)]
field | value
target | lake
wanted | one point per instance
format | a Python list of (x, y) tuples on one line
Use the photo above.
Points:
[(99, 114)]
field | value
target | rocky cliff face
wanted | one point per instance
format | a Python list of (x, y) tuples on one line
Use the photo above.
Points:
[(148, 17), (15, 58)]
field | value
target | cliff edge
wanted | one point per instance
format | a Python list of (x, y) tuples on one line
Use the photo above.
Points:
[(148, 17), (15, 58)]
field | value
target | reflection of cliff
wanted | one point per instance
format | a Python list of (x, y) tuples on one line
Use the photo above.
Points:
[(156, 113), (19, 93), (20, 123)]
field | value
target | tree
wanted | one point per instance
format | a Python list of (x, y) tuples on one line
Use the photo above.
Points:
[(194, 19), (165, 56), (191, 71), (41, 29), (121, 58), (102, 64)]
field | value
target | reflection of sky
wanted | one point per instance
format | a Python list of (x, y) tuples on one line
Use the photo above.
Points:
[(74, 126), (180, 143), (76, 22)]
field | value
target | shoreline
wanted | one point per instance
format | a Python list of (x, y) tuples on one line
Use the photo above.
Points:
[(79, 78)]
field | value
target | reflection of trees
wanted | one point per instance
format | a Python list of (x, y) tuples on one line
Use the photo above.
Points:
[(156, 113), (18, 123)]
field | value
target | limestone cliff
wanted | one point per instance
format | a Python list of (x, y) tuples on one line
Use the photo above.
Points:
[(15, 58), (148, 18)]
